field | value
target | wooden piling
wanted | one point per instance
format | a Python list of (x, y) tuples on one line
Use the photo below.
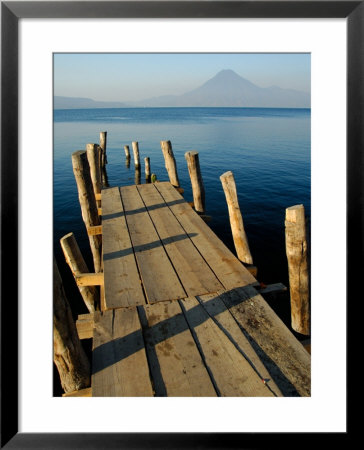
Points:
[(147, 168), (137, 175), (78, 265), (236, 219), (127, 151), (69, 357), (170, 162), (93, 157), (81, 170), (103, 139), (296, 250), (198, 190), (135, 146)]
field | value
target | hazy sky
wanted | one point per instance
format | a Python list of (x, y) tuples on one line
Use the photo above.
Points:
[(132, 77)]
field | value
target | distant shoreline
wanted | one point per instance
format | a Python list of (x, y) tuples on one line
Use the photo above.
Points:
[(185, 107)]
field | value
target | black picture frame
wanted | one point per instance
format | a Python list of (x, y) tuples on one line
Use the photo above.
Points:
[(11, 12)]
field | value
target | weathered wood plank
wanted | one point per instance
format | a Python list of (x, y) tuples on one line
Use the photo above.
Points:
[(196, 276), (230, 272), (122, 282), (159, 278), (216, 309), (176, 365), (119, 363), (285, 358), (85, 326), (89, 279), (233, 374)]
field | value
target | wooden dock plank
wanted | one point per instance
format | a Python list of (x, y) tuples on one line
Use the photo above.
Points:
[(196, 276), (176, 365), (119, 363), (233, 374), (283, 355), (216, 309), (228, 269), (159, 278), (122, 284)]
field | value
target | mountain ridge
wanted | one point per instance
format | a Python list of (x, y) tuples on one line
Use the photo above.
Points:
[(225, 89)]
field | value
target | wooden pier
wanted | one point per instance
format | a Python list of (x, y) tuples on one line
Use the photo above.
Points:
[(180, 314)]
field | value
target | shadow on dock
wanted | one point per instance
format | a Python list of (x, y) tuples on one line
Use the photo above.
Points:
[(149, 336)]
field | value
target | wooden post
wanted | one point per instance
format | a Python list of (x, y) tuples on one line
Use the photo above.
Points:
[(147, 168), (81, 170), (137, 175), (68, 354), (135, 146), (78, 265), (93, 157), (103, 139), (236, 219), (198, 189), (127, 151), (296, 249), (170, 162)]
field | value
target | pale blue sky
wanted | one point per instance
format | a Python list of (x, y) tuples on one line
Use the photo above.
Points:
[(132, 77)]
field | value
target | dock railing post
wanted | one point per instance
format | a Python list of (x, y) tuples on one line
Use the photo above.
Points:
[(135, 146), (81, 170), (296, 250), (68, 354), (147, 168), (93, 157), (236, 219), (103, 139), (77, 264), (170, 163), (198, 190)]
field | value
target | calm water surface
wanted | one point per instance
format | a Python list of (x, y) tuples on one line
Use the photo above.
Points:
[(268, 151)]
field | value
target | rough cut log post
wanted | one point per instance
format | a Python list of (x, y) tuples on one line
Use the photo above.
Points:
[(137, 175), (93, 157), (147, 168), (296, 249), (198, 189), (135, 146), (236, 219), (77, 264), (103, 139), (68, 354), (170, 162), (127, 151), (81, 170)]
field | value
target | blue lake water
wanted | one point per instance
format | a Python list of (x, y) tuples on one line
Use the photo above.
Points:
[(268, 151)]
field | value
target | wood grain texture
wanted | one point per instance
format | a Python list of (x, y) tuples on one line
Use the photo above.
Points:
[(236, 219), (170, 162), (119, 363), (230, 272), (285, 358), (159, 278), (296, 250), (122, 284), (176, 364), (198, 190), (217, 310), (78, 265), (195, 275), (69, 357), (81, 170)]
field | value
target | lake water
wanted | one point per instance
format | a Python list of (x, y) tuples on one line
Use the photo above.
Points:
[(268, 151)]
